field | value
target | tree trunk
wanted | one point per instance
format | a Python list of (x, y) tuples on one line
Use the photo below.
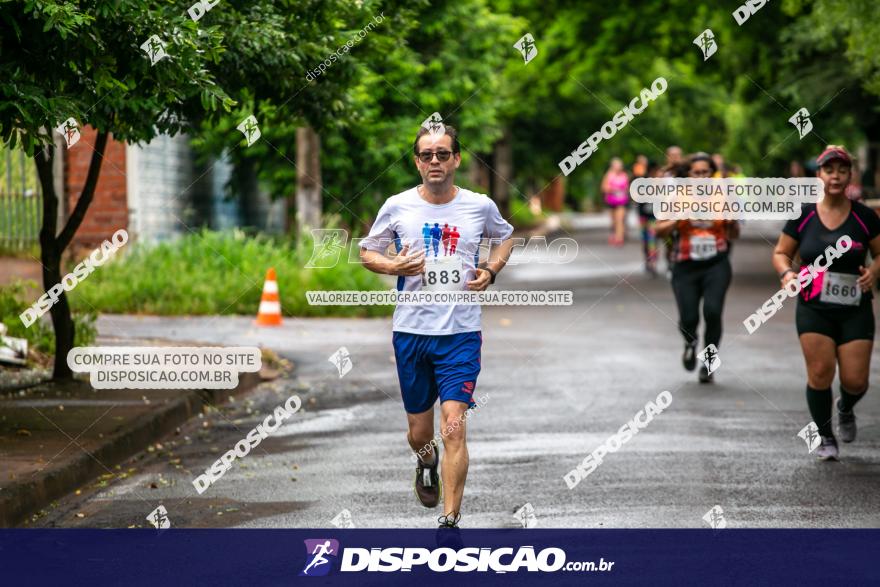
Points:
[(248, 193), (52, 246), (503, 162), (308, 179)]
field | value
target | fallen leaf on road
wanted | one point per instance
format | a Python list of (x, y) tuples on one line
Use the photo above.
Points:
[(80, 515)]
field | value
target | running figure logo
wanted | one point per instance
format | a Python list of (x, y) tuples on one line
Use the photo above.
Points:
[(810, 434), (441, 270), (155, 49), (526, 516), (709, 357), (436, 235), (327, 247), (706, 42), (450, 238), (715, 518), (69, 129), (159, 518), (801, 121), (250, 130), (526, 46), (342, 360), (317, 551), (434, 124), (343, 520)]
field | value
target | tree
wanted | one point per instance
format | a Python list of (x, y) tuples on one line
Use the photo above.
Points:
[(84, 61), (367, 106)]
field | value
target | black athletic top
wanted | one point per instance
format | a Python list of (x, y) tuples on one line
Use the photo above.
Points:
[(813, 237)]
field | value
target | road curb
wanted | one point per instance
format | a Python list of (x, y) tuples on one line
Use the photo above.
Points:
[(21, 499)]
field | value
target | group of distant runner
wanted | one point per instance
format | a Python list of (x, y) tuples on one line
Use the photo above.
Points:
[(834, 317), (434, 228)]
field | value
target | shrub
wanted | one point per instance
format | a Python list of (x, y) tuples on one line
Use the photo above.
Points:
[(212, 272), (40, 336)]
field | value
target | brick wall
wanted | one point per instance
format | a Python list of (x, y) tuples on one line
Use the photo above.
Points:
[(109, 209)]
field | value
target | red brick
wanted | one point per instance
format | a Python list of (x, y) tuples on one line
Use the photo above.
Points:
[(108, 211)]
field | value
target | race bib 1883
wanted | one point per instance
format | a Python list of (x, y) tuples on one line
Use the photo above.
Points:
[(443, 274)]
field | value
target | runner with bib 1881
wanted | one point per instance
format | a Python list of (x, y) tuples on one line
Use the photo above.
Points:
[(436, 229), (835, 315)]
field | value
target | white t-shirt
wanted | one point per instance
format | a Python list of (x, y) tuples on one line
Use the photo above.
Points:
[(446, 230)]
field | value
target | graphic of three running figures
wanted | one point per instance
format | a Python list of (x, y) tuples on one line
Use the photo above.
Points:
[(435, 235)]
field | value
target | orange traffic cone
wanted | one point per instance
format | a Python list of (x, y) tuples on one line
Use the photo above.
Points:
[(269, 313)]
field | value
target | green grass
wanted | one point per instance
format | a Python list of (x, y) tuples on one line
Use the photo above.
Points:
[(521, 216), (219, 273)]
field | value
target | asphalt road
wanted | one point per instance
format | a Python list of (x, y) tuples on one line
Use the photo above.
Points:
[(559, 380)]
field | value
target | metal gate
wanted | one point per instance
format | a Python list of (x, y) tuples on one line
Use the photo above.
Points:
[(21, 201)]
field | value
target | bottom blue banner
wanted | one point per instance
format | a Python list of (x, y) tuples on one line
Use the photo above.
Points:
[(433, 557)]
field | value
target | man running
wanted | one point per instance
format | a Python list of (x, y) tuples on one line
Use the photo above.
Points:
[(437, 347)]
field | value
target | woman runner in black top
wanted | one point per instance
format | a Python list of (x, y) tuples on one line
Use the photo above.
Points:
[(835, 316)]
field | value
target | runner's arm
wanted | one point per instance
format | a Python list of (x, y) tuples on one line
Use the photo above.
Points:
[(733, 230), (404, 263), (664, 227), (783, 256), (498, 257), (872, 273)]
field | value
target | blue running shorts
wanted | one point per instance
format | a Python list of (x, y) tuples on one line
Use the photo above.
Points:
[(432, 366)]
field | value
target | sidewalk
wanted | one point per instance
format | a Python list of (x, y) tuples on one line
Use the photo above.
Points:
[(54, 438), (13, 268)]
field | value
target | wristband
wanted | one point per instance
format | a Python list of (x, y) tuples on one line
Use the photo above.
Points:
[(494, 275), (786, 272)]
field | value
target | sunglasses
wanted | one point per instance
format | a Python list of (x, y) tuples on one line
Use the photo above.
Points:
[(428, 156)]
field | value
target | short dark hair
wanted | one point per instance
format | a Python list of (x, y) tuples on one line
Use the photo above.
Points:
[(701, 156), (447, 130)]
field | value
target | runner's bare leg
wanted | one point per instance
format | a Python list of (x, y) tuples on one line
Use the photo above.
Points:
[(420, 433), (455, 455)]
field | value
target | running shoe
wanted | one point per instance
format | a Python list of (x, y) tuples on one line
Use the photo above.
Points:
[(427, 484), (705, 376), (448, 521), (689, 358), (846, 424), (827, 451)]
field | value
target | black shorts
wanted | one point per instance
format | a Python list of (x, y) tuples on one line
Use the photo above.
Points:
[(843, 324)]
